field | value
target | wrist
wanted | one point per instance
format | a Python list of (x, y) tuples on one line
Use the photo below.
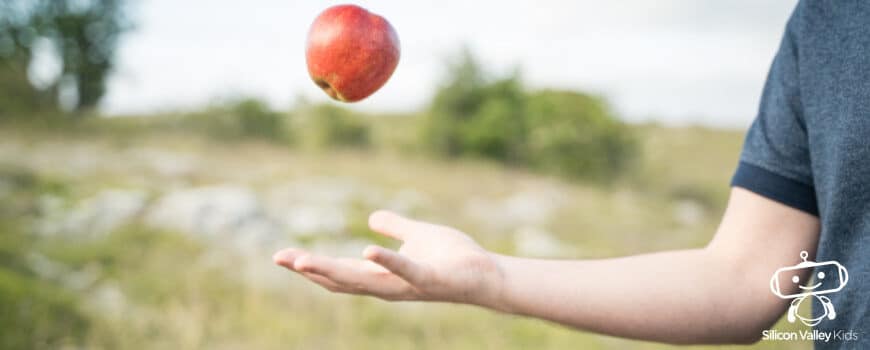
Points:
[(495, 290)]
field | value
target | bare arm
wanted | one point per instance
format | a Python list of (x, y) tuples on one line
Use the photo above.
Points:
[(712, 295), (718, 294)]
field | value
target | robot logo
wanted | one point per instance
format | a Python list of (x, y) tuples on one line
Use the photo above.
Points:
[(830, 277)]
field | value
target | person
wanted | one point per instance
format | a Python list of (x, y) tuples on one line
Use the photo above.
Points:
[(802, 184)]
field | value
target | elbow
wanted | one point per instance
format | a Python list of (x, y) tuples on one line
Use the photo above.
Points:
[(746, 313), (747, 324)]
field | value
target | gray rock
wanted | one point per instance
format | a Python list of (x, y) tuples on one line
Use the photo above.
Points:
[(408, 200), (316, 206), (534, 241), (108, 299), (94, 216), (525, 207), (688, 212), (166, 164), (208, 211)]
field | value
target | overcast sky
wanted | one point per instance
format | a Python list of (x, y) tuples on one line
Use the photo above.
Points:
[(676, 61)]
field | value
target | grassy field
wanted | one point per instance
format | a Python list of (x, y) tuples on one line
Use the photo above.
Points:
[(163, 240)]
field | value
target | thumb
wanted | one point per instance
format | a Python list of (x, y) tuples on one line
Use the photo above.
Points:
[(397, 263), (393, 225)]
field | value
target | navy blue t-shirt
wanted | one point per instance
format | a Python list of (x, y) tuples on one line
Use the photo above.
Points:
[(809, 147)]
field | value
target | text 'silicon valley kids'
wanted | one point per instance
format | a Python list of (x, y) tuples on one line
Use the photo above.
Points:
[(812, 280)]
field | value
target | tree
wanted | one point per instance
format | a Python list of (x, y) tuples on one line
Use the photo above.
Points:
[(17, 36), (87, 38), (84, 34)]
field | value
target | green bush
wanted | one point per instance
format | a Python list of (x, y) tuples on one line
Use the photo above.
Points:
[(247, 118), (18, 99), (575, 135), (471, 115), (327, 125), (497, 128), (561, 132), (35, 312), (256, 119)]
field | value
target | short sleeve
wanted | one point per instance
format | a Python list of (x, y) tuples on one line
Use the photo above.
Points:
[(775, 161)]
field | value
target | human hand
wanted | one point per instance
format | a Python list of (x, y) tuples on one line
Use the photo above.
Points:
[(434, 263)]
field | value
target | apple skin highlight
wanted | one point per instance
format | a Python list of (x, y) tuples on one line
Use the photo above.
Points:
[(351, 52)]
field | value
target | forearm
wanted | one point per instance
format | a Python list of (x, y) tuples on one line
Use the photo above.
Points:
[(687, 296), (718, 294)]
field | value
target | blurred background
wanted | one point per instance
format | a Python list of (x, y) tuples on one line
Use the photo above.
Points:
[(154, 154)]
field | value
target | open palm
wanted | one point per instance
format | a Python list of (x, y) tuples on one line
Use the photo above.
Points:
[(433, 263)]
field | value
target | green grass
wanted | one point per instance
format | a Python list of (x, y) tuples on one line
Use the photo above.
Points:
[(184, 293)]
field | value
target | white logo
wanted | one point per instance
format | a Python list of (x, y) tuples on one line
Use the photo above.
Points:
[(830, 277)]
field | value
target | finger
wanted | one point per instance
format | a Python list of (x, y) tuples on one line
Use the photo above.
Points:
[(341, 270), (287, 257), (394, 225), (396, 263), (323, 282), (352, 276)]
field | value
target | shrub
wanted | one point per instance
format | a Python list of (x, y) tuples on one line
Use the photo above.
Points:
[(575, 134), (562, 132), (328, 125), (497, 128), (256, 119), (19, 100), (35, 312), (247, 118), (471, 115)]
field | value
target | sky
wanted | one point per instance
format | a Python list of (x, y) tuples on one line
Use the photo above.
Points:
[(673, 61)]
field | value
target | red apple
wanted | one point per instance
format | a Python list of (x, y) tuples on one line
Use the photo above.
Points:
[(351, 52)]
